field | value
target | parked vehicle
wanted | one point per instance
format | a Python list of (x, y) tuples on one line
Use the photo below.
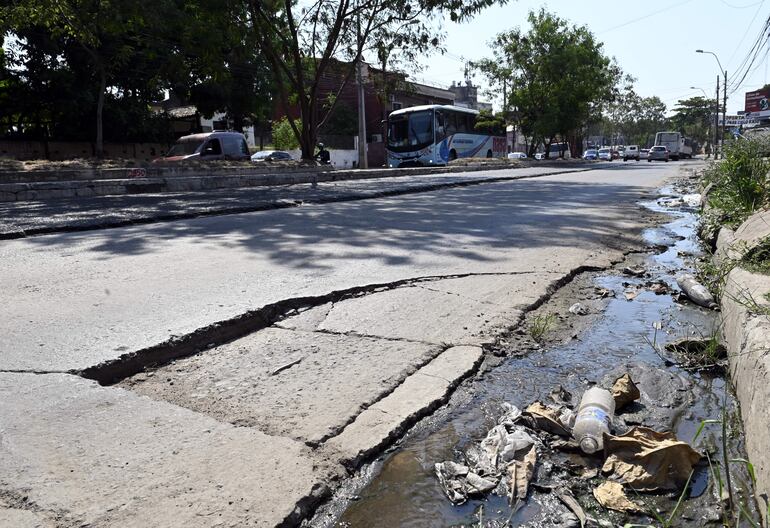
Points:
[(605, 154), (539, 155), (678, 146), (555, 151), (643, 153), (437, 134), (631, 152), (658, 152), (208, 146), (271, 155), (590, 154), (517, 155), (615, 154)]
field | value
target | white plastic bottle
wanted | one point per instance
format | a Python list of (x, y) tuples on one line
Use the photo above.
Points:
[(594, 417)]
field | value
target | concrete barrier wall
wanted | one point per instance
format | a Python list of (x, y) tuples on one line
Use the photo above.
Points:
[(746, 334)]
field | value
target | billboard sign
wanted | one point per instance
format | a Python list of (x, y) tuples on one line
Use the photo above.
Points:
[(757, 101)]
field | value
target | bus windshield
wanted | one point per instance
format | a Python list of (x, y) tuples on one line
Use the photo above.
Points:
[(410, 130)]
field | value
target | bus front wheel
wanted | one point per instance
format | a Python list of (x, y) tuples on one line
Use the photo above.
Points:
[(452, 155), (489, 153)]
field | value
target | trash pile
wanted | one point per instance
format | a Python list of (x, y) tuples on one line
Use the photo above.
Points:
[(506, 461)]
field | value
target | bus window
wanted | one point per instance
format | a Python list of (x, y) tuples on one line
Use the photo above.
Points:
[(440, 128), (451, 123)]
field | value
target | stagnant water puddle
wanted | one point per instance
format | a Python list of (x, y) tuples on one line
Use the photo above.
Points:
[(401, 488)]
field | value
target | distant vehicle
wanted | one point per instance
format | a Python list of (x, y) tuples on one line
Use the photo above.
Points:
[(631, 152), (539, 156), (615, 154), (208, 146), (591, 154), (517, 155), (437, 134), (643, 153), (678, 146), (658, 152), (556, 149), (605, 154), (271, 155)]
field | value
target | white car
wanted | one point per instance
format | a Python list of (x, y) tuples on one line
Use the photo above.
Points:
[(539, 155), (605, 154), (517, 155), (271, 155)]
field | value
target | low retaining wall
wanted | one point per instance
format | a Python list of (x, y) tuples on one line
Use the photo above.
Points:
[(746, 335), (52, 185)]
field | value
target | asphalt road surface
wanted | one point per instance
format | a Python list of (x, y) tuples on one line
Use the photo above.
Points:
[(387, 304)]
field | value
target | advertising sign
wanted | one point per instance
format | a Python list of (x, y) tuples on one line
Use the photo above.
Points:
[(758, 101)]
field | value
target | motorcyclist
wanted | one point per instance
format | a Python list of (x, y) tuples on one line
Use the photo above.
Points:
[(323, 155)]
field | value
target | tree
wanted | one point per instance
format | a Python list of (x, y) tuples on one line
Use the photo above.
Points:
[(557, 74), (693, 117), (487, 123), (633, 117), (302, 45)]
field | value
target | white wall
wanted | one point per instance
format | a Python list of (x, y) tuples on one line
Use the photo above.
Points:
[(340, 159)]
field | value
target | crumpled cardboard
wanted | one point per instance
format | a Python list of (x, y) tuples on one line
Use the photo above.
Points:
[(520, 473), (544, 418), (648, 460), (612, 495), (624, 391)]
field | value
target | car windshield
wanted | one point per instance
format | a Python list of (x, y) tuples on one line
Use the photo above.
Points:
[(411, 130), (184, 148), (604, 151), (590, 152), (659, 149)]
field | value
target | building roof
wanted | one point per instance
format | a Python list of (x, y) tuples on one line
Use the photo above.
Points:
[(432, 91)]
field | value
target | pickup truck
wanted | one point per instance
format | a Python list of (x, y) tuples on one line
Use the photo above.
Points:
[(631, 152)]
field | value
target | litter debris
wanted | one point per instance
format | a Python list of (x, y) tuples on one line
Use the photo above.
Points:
[(695, 291), (611, 495), (630, 295), (286, 366), (603, 292), (648, 460), (520, 473), (593, 419), (658, 288), (634, 272), (624, 391), (578, 309), (477, 485), (543, 418), (449, 475), (510, 416), (562, 396), (565, 496)]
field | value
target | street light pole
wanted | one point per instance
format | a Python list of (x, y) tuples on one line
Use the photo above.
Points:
[(724, 107)]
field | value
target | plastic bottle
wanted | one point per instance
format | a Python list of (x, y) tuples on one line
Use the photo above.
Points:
[(696, 291), (594, 418)]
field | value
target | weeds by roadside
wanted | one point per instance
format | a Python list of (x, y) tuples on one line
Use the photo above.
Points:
[(757, 259), (739, 184), (541, 325)]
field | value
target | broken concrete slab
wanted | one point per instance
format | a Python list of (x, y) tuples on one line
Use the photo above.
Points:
[(465, 310), (82, 454), (420, 394), (301, 385)]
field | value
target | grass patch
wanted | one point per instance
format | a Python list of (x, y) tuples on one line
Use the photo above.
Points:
[(757, 259), (739, 183), (541, 325)]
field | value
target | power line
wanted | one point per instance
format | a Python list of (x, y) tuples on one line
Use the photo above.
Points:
[(639, 19), (745, 33)]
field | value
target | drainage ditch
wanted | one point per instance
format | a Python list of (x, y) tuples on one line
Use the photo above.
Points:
[(628, 324)]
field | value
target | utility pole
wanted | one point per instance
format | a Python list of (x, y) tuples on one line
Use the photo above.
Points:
[(724, 115), (363, 163), (716, 122)]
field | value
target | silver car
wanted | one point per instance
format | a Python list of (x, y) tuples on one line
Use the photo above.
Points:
[(659, 153)]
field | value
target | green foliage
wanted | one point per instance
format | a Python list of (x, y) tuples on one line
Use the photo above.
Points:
[(541, 325), (757, 259), (306, 44), (740, 184), (343, 121), (693, 118), (283, 135), (635, 118), (557, 74), (487, 123)]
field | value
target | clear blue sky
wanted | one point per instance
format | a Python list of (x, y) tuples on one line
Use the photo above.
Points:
[(654, 41)]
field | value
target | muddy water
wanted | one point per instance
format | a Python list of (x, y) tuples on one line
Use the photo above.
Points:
[(401, 489)]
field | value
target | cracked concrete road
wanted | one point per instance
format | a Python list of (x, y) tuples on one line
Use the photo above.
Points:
[(317, 390)]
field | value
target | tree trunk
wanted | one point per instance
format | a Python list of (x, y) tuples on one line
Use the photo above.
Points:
[(99, 110)]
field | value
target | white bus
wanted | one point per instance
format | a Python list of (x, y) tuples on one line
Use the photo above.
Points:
[(678, 146), (437, 134)]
